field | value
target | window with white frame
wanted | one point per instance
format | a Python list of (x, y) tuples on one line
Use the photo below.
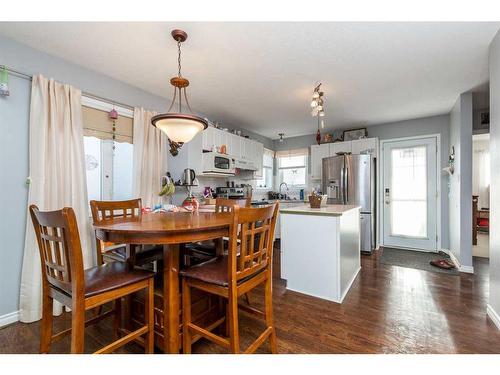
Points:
[(292, 167), (108, 154), (266, 182)]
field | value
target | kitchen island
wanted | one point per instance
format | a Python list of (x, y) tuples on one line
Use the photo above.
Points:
[(320, 249)]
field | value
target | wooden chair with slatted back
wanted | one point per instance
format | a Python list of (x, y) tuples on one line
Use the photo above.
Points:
[(226, 205), (231, 276), (128, 209), (206, 250), (65, 280)]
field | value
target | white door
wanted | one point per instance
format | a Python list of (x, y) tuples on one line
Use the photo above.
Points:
[(409, 188)]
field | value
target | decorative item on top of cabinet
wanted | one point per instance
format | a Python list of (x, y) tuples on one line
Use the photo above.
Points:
[(352, 134)]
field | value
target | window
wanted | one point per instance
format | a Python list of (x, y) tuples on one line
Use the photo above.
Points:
[(108, 162), (266, 182), (292, 167)]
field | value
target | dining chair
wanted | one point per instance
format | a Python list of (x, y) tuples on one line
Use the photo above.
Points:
[(230, 276), (65, 280), (128, 209), (203, 251)]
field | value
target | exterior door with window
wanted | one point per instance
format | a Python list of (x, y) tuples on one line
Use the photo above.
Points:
[(409, 188)]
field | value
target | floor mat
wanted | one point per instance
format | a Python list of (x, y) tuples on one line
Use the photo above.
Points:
[(414, 259)]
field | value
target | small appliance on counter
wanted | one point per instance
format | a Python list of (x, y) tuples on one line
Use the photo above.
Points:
[(188, 177), (230, 192)]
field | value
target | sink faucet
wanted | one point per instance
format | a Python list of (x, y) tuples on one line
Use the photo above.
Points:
[(283, 183)]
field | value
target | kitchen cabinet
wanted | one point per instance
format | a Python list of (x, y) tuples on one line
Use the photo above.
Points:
[(240, 148), (365, 146), (258, 156), (208, 138), (340, 147), (359, 146), (318, 152)]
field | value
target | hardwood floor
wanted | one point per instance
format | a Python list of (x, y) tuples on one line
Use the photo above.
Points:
[(389, 309)]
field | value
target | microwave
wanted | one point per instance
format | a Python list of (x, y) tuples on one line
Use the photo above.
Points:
[(215, 164)]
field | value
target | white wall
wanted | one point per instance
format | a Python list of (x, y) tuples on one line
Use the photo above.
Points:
[(494, 62), (460, 195)]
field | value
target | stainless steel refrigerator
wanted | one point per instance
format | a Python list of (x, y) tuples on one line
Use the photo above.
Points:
[(350, 179)]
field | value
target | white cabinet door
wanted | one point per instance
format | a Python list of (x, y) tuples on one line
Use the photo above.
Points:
[(208, 138), (259, 159), (233, 146), (244, 148), (340, 147), (365, 146), (318, 152)]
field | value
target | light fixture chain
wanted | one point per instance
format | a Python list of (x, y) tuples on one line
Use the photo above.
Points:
[(179, 58)]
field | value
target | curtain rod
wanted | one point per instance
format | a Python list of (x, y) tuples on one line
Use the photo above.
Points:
[(89, 95)]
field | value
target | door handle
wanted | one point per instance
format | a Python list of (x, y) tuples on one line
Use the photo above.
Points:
[(387, 196)]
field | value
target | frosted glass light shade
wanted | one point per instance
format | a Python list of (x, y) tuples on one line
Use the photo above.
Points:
[(179, 127)]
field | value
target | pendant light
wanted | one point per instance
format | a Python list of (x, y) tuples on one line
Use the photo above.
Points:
[(318, 110), (179, 127)]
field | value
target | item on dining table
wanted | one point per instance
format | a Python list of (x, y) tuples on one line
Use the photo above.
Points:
[(191, 204)]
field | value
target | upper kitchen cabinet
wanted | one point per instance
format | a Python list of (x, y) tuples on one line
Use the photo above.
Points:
[(243, 149), (340, 147), (360, 146), (208, 138), (258, 156), (365, 146), (318, 152)]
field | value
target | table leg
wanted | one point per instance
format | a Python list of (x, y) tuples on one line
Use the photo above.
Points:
[(171, 298)]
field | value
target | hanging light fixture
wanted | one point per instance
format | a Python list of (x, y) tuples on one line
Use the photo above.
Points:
[(281, 136), (318, 110), (179, 127)]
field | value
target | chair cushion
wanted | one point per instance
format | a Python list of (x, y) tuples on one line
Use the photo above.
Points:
[(110, 276), (213, 271)]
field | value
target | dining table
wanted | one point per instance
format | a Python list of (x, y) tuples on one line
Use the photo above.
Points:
[(170, 229)]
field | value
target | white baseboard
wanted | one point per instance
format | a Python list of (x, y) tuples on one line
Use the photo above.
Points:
[(456, 262), (9, 318), (495, 318)]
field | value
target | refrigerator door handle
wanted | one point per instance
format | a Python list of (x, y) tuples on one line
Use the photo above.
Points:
[(342, 184), (346, 174)]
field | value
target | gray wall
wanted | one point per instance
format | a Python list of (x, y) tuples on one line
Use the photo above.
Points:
[(461, 181), (14, 116), (409, 128), (14, 119), (494, 62)]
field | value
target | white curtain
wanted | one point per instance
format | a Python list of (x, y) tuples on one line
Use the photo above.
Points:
[(150, 158), (57, 178)]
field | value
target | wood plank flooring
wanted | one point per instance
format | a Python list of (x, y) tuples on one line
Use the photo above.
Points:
[(389, 309)]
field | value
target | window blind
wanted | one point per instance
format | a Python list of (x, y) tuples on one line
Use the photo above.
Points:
[(290, 153), (96, 123)]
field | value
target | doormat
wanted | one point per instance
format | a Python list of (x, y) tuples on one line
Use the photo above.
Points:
[(414, 259)]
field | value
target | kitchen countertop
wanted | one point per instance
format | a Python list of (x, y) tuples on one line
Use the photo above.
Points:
[(328, 210)]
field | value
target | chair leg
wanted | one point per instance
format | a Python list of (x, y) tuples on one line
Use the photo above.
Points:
[(46, 327), (117, 317), (247, 298), (149, 318), (232, 316), (77, 328), (186, 317), (269, 314)]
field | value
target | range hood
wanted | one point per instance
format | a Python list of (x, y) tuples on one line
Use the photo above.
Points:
[(244, 165)]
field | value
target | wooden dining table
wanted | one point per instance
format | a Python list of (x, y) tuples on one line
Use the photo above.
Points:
[(170, 230)]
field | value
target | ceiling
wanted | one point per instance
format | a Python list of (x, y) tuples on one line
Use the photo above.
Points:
[(260, 76)]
